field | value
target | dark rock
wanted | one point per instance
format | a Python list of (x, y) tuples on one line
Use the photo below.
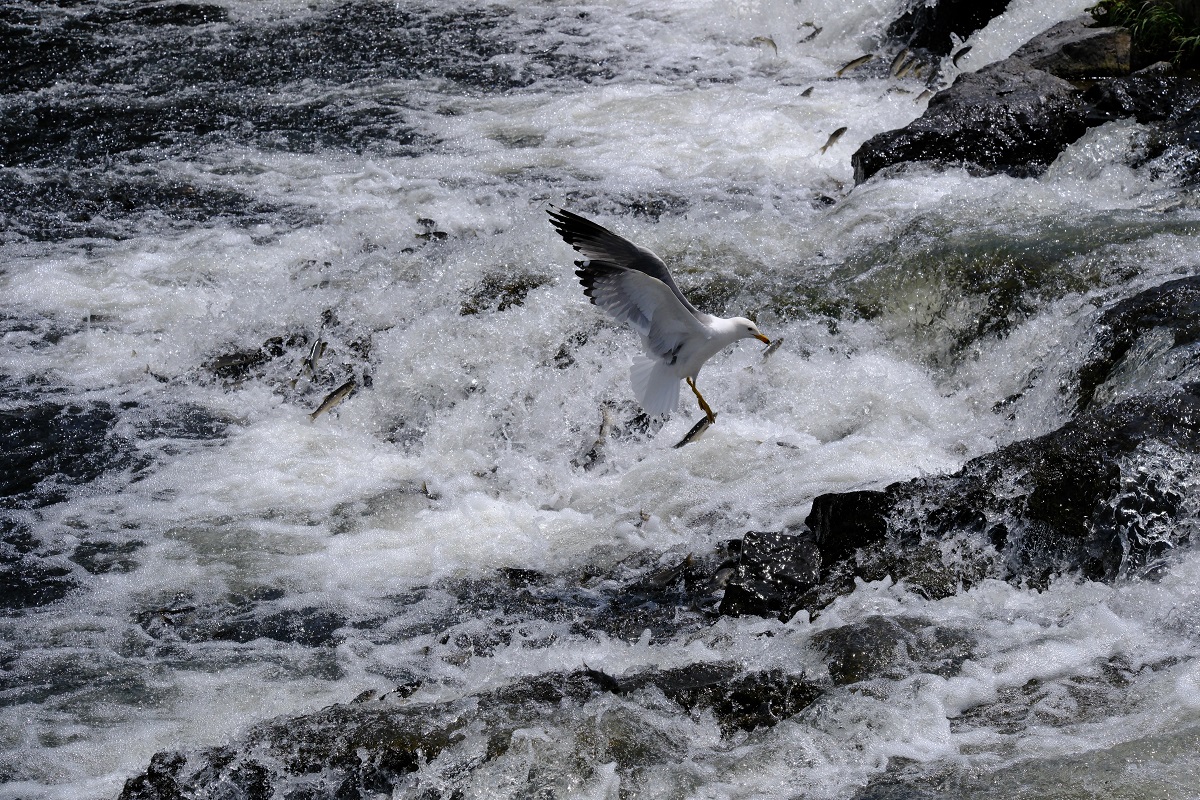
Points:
[(180, 14), (51, 204), (1166, 101), (1151, 95), (1098, 498), (158, 782), (243, 619), (29, 576), (1144, 343), (929, 26), (863, 650), (374, 746), (46, 448), (103, 557), (774, 575), (1090, 498), (1074, 50), (1006, 117), (500, 291), (891, 647), (739, 701)]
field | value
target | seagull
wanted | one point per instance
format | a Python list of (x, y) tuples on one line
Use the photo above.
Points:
[(634, 286)]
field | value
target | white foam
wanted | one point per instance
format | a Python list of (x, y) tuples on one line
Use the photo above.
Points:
[(699, 115)]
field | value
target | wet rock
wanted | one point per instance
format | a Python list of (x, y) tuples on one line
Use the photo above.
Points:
[(374, 746), (103, 557), (46, 449), (739, 701), (243, 619), (158, 782), (929, 26), (776, 574), (1145, 343), (1014, 116), (1075, 50), (1153, 94), (863, 650), (238, 365), (1098, 498), (880, 646), (29, 575), (1093, 498), (1007, 117), (1167, 102), (500, 291), (53, 205)]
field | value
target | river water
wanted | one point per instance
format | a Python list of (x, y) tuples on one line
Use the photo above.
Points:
[(197, 198)]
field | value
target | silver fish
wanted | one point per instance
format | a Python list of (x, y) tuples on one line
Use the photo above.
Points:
[(900, 59), (816, 29), (665, 577), (833, 137), (906, 67), (333, 398), (954, 59), (925, 95), (807, 92), (594, 455), (696, 432), (767, 40), (314, 355), (774, 345), (858, 62)]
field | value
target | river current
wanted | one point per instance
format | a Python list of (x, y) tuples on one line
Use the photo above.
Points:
[(214, 215)]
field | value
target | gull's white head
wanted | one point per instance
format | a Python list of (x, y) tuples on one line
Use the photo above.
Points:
[(745, 329)]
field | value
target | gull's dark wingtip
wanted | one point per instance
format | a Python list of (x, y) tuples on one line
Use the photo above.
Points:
[(561, 219)]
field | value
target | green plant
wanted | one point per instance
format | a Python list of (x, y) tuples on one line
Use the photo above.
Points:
[(1159, 32)]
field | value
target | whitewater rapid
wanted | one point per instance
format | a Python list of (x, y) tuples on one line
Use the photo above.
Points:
[(415, 243)]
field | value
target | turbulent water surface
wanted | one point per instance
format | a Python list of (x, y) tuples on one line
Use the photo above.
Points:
[(214, 215)]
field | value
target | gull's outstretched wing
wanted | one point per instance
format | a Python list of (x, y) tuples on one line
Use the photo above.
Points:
[(600, 246), (644, 302)]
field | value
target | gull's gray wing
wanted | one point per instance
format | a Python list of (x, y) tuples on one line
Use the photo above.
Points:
[(645, 303), (601, 247)]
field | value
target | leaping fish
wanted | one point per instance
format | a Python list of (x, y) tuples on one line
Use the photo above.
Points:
[(334, 398), (696, 432), (767, 40), (833, 137), (858, 62)]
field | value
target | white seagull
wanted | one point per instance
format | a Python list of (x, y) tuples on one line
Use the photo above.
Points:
[(634, 286)]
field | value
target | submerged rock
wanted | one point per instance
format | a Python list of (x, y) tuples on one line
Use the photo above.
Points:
[(376, 745), (879, 646), (1093, 498), (1098, 498), (1144, 343)]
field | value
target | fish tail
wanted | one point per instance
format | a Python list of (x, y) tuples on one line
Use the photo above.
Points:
[(655, 385)]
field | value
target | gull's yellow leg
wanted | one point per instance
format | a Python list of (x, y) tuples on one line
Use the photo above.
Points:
[(712, 418)]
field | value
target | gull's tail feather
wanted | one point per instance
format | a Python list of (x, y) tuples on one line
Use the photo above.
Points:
[(656, 387)]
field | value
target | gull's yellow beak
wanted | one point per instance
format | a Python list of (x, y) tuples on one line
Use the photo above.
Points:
[(762, 338)]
